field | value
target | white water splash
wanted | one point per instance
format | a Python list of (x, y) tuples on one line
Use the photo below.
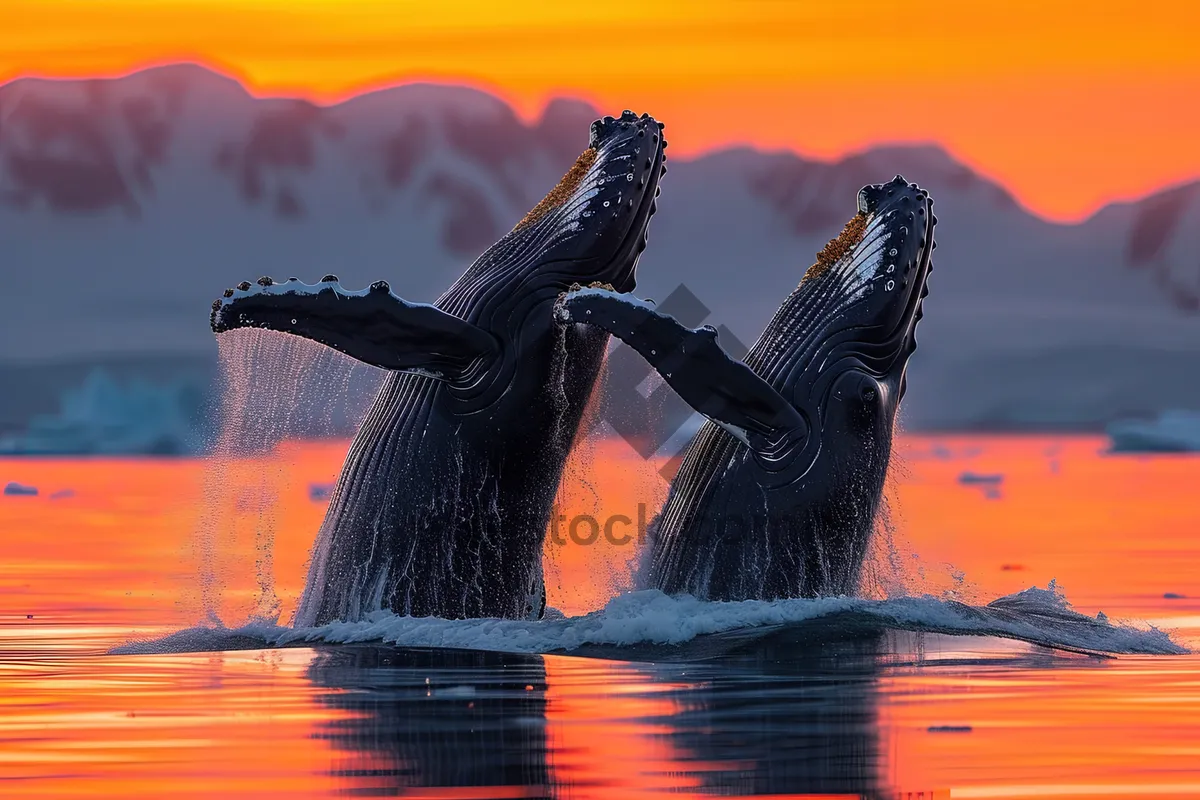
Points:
[(642, 619), (273, 387)]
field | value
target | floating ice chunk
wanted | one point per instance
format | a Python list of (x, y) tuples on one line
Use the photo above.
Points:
[(969, 478), (14, 489)]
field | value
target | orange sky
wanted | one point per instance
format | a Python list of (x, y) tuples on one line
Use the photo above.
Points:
[(1070, 104)]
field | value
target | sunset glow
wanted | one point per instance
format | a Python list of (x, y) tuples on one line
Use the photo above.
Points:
[(366, 535), (1070, 105)]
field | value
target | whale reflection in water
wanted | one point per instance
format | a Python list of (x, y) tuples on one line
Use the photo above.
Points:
[(783, 718), (436, 718)]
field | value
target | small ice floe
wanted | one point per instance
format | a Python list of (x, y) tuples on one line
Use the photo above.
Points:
[(949, 729), (969, 478), (62, 494), (1174, 596), (320, 492), (14, 489), (988, 482)]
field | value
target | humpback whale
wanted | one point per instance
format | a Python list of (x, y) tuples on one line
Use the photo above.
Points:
[(445, 494), (777, 493)]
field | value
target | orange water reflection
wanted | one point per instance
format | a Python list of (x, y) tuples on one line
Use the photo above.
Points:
[(184, 726), (1115, 532), (79, 572)]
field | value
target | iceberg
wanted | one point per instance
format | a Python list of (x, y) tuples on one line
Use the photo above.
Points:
[(105, 417), (1170, 432)]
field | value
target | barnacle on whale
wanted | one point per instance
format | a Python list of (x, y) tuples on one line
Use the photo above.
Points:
[(839, 246), (563, 191)]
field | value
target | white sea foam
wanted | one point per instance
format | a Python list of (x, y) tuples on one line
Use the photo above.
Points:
[(652, 619)]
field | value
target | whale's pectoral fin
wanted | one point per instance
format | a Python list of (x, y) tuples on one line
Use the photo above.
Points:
[(692, 362), (372, 325)]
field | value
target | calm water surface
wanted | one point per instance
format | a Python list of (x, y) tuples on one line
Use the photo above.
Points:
[(881, 716)]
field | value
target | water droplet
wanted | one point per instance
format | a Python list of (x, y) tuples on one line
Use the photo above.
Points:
[(629, 177), (293, 322), (606, 204), (892, 252), (890, 285)]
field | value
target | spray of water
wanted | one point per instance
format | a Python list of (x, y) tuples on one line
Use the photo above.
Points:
[(604, 478), (892, 568), (272, 388)]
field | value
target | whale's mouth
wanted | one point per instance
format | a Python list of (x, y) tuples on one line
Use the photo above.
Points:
[(905, 216)]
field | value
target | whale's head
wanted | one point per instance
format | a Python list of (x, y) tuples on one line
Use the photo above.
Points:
[(591, 227), (850, 326), (840, 345)]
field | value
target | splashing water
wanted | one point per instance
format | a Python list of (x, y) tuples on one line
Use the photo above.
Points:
[(601, 467), (273, 388), (892, 569), (637, 622)]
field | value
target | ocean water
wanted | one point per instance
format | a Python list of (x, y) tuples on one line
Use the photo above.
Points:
[(144, 650)]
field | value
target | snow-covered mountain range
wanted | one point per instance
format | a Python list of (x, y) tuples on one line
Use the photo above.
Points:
[(127, 205)]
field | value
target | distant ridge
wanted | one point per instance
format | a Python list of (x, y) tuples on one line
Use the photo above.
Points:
[(184, 77)]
